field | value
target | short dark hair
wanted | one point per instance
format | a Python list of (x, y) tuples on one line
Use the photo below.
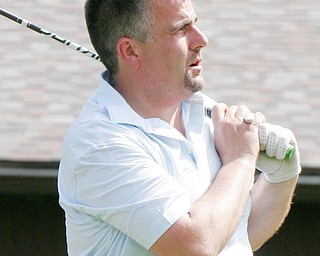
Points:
[(109, 20)]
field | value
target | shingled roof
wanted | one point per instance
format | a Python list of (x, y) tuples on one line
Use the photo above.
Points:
[(264, 54)]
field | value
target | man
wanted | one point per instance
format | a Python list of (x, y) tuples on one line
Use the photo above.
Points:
[(143, 171)]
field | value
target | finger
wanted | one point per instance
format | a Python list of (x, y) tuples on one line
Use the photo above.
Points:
[(272, 144), (285, 143), (231, 111), (241, 112), (282, 147), (249, 118), (259, 118), (218, 112), (263, 135)]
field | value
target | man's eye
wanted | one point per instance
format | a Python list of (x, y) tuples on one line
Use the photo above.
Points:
[(183, 29)]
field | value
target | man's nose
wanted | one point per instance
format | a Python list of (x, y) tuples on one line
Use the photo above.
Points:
[(197, 38)]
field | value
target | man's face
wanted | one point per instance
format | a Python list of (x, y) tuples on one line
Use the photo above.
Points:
[(173, 60)]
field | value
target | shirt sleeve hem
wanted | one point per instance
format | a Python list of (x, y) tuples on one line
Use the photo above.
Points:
[(164, 223)]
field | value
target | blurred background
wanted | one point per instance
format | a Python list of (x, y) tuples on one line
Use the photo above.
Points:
[(262, 53)]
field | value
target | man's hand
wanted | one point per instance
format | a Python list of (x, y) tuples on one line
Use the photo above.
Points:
[(272, 161), (234, 137)]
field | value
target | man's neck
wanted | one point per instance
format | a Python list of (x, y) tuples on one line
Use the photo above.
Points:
[(177, 121), (151, 107)]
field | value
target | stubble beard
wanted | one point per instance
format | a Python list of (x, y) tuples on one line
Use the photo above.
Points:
[(194, 84)]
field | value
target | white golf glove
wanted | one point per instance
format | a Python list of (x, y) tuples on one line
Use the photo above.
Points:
[(273, 160)]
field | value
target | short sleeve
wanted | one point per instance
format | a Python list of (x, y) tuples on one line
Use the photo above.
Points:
[(122, 184)]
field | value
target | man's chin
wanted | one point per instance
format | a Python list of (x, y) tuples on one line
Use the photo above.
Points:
[(194, 84)]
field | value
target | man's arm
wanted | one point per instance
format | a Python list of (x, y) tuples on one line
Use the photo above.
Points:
[(270, 205), (213, 219), (272, 193)]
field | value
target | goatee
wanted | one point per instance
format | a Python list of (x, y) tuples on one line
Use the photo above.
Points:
[(194, 84)]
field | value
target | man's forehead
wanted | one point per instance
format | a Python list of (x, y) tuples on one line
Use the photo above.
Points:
[(169, 2), (172, 5), (173, 13)]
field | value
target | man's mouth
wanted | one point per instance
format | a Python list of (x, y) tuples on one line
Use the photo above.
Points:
[(196, 68), (196, 63)]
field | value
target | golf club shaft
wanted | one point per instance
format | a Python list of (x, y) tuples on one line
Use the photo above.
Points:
[(49, 34)]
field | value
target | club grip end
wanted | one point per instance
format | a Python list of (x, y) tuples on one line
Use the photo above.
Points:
[(290, 151)]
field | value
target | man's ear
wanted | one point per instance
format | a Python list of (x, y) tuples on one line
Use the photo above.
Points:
[(127, 51)]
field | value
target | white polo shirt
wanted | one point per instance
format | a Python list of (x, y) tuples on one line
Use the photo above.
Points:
[(124, 180)]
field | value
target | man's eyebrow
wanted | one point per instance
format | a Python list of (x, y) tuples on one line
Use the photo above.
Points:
[(180, 24)]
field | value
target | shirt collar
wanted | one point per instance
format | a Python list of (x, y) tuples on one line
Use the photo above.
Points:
[(120, 111)]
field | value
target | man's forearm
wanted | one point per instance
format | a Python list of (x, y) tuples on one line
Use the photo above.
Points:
[(213, 218), (270, 206)]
